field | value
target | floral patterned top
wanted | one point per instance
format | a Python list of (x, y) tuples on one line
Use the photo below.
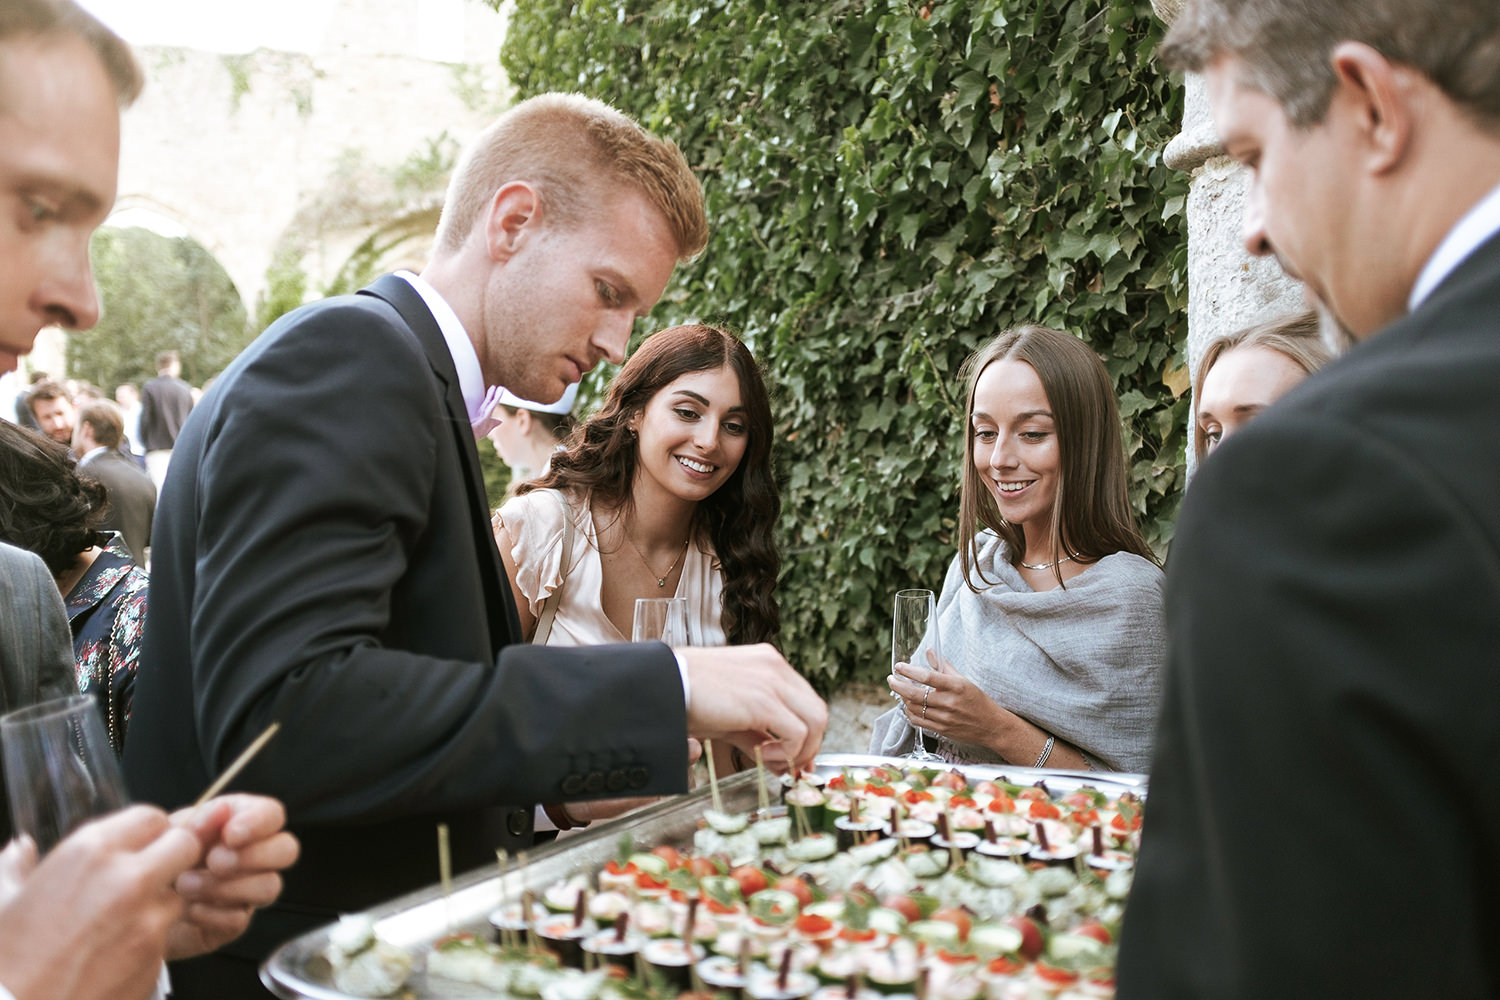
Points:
[(107, 612)]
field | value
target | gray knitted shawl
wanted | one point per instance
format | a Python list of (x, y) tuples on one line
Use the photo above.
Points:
[(1084, 663)]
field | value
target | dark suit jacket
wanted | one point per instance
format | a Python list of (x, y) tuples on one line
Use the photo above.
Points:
[(1324, 815), (165, 405), (36, 651), (323, 557), (132, 498)]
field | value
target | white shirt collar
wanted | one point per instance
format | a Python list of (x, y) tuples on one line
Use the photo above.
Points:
[(1478, 224), (90, 453), (465, 358)]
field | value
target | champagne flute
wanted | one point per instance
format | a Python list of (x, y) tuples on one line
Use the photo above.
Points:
[(914, 631), (663, 618)]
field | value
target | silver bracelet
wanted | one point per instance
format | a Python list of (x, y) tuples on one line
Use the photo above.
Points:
[(1046, 752)]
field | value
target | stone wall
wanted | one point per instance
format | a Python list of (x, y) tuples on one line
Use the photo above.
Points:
[(237, 148)]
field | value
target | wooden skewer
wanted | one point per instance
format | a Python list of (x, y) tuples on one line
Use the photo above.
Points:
[(445, 872), (713, 775), (239, 764), (760, 782)]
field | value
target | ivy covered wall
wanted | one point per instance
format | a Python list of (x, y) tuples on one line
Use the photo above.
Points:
[(889, 185)]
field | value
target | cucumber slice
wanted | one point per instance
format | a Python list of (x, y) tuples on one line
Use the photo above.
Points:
[(726, 823), (652, 864), (989, 940)]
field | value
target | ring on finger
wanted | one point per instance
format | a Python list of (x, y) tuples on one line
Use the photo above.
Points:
[(924, 702)]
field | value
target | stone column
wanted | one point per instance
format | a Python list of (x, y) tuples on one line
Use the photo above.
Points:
[(1227, 288)]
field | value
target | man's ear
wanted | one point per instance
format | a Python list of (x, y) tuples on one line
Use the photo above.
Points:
[(1381, 98), (513, 216)]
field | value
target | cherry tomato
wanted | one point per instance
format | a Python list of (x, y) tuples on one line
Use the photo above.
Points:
[(904, 905), (795, 886), (1095, 930), (645, 880), (751, 880), (958, 917), (1044, 810), (703, 867), (1006, 965), (1052, 974), (813, 924)]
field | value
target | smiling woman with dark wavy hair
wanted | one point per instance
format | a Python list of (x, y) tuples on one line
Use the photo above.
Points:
[(667, 491), (48, 508)]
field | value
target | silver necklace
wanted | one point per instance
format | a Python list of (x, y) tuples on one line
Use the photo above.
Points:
[(661, 581), (1026, 565)]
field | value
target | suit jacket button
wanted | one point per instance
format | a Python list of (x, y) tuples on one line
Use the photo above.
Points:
[(572, 784), (638, 777), (616, 781), (517, 822), (594, 783)]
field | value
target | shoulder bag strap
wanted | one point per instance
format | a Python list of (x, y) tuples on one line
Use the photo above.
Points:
[(549, 606)]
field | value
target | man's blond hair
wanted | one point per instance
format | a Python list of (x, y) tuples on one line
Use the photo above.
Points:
[(575, 151), (59, 18)]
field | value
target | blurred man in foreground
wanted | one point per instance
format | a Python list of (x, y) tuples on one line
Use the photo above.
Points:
[(96, 917), (1325, 818)]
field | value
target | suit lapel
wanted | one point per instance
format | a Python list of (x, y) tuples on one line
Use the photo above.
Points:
[(505, 624)]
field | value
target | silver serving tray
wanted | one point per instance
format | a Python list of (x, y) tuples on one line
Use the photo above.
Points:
[(297, 970)]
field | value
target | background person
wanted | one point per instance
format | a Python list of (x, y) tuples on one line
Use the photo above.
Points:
[(85, 921), (527, 434), (166, 402), (48, 508), (52, 409), (1331, 597), (1246, 371), (670, 492), (98, 442), (128, 399), (1050, 615)]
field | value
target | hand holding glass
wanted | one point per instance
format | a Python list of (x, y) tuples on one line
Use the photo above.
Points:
[(913, 629), (60, 770)]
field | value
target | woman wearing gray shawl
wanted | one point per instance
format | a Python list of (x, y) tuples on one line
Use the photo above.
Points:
[(1051, 613)]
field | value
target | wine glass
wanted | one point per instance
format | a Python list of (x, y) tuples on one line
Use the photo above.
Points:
[(663, 618), (914, 631), (60, 770)]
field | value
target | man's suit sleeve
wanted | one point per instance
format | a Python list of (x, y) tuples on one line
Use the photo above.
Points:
[(36, 650), (1307, 833), (320, 480)]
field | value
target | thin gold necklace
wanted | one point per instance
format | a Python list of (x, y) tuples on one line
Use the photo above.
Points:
[(661, 581)]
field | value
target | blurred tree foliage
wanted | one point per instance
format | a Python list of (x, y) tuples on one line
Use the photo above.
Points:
[(157, 293), (890, 184)]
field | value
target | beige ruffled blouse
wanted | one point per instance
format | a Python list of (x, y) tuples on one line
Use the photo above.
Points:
[(535, 522)]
